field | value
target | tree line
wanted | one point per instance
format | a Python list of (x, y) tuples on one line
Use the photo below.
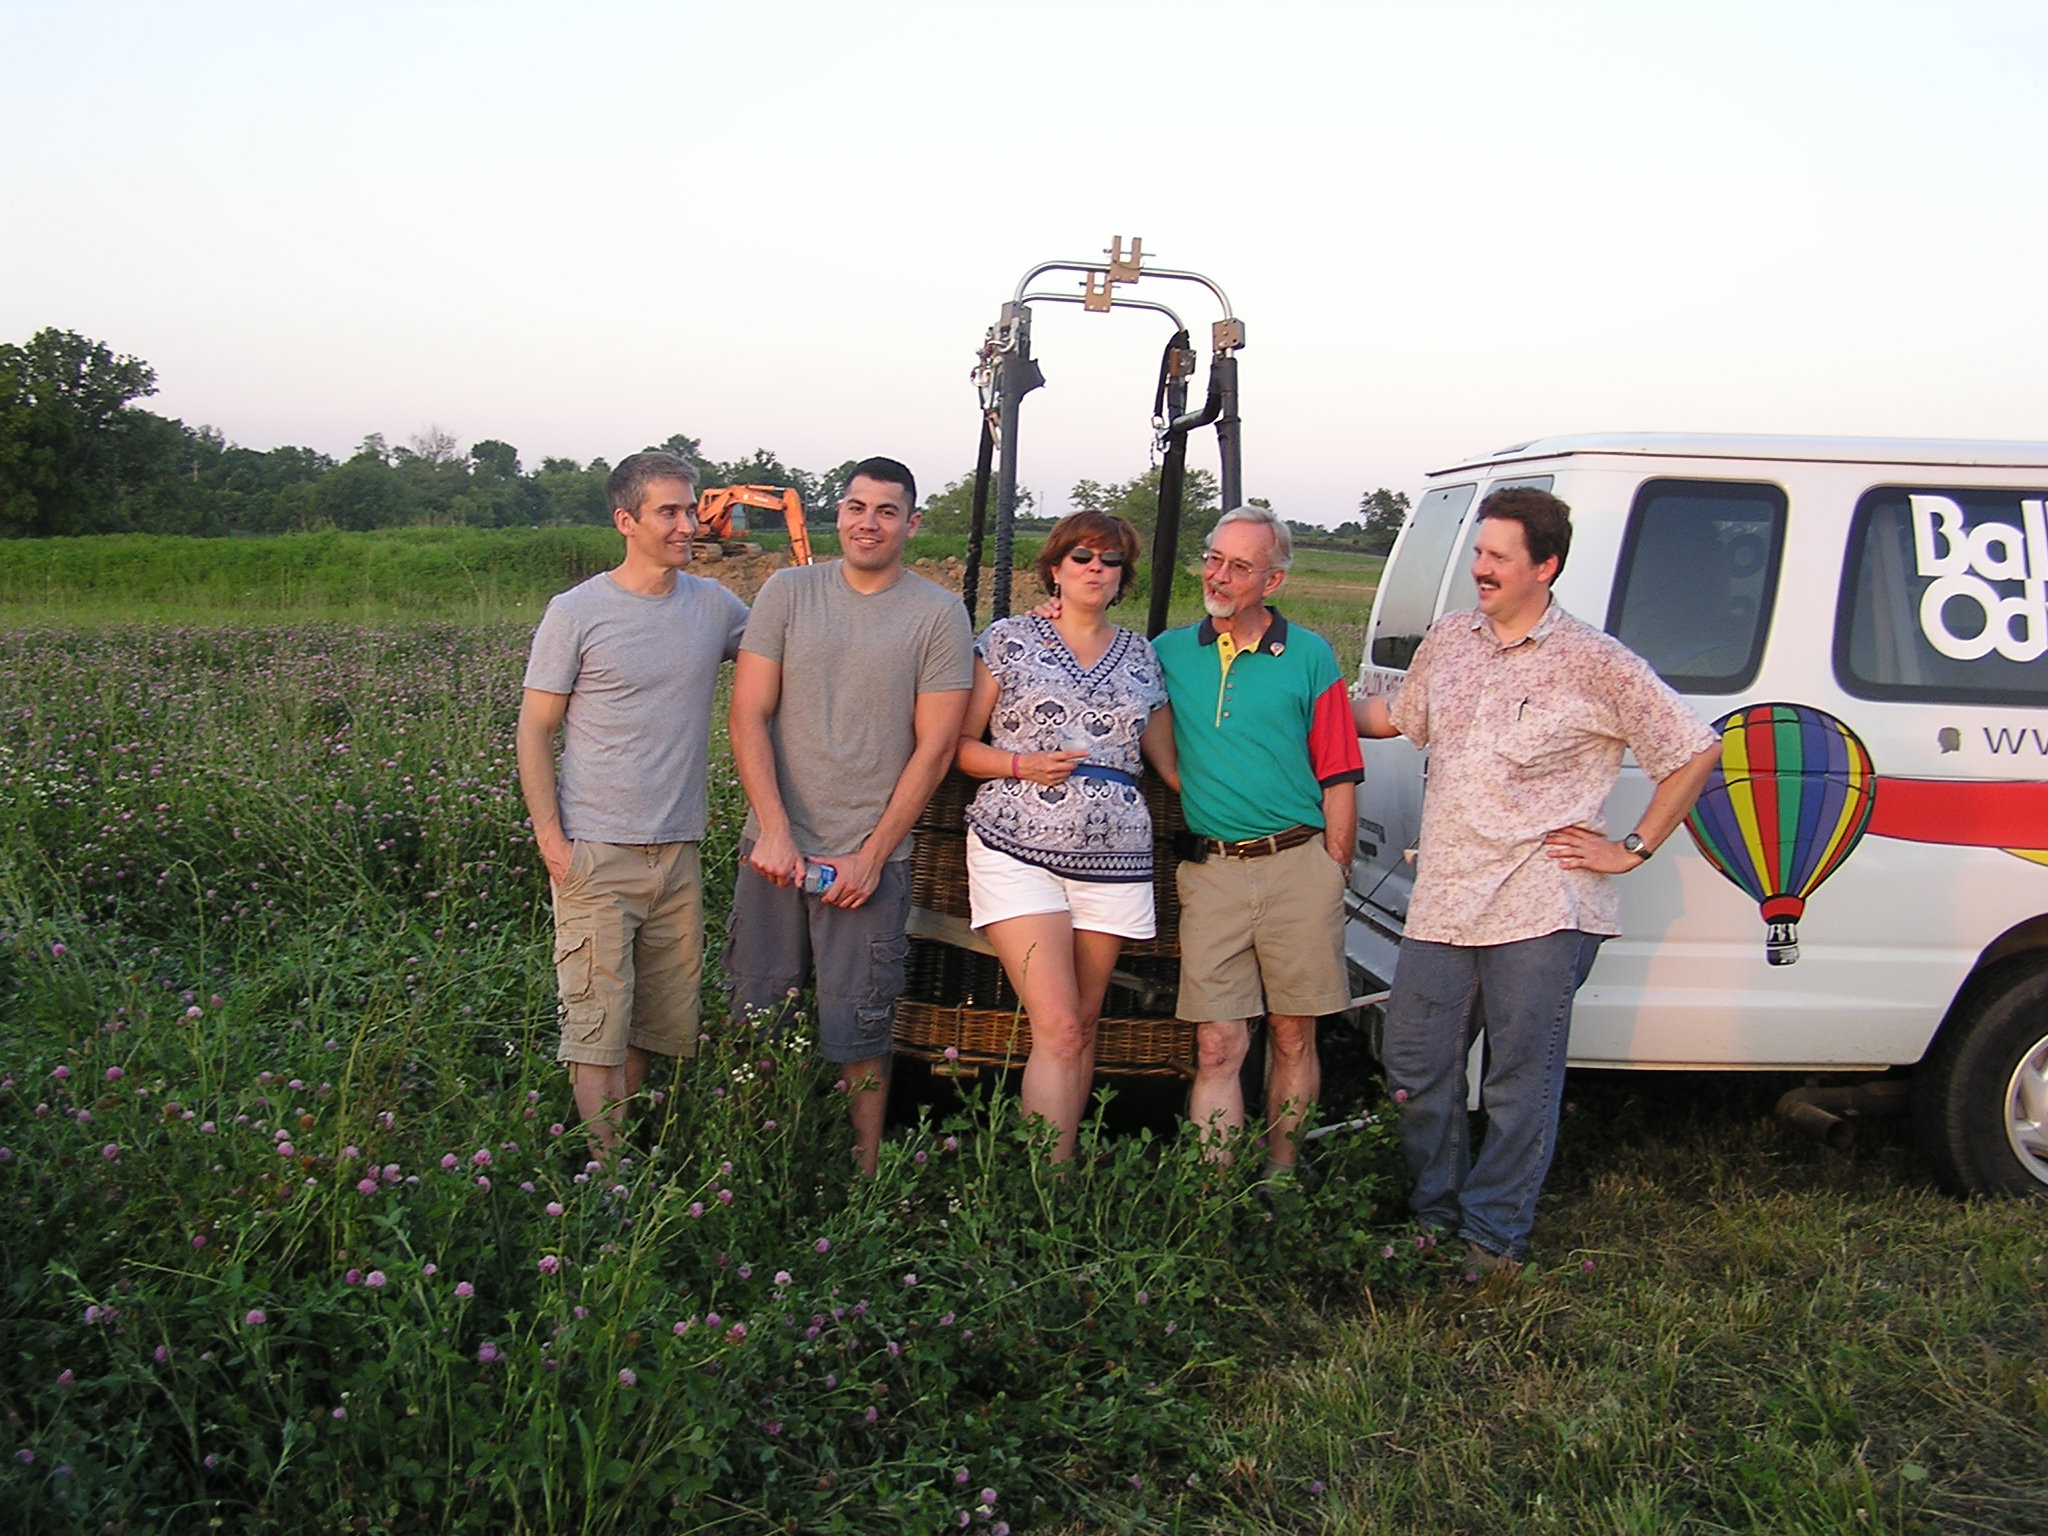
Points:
[(79, 456)]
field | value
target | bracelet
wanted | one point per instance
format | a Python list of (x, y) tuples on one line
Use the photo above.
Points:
[(1015, 758)]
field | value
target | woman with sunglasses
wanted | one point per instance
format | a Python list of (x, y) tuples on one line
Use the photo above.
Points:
[(1059, 842)]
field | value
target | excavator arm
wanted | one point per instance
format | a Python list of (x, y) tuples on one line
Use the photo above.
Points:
[(721, 514)]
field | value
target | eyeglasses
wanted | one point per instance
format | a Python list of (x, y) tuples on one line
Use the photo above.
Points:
[(1237, 569), (1081, 554)]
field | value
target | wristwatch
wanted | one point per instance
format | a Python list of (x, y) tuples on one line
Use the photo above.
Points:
[(1635, 845)]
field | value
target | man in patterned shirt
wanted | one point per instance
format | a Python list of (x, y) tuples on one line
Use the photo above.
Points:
[(1269, 773), (1526, 710)]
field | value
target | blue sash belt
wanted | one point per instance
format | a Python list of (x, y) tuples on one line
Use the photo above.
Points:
[(1098, 771)]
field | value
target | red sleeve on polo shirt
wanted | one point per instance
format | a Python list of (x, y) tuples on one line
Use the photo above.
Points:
[(1333, 739)]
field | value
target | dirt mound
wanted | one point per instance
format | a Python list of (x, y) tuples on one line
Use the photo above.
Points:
[(951, 573), (744, 573)]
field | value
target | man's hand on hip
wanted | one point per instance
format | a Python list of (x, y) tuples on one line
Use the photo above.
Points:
[(1583, 848)]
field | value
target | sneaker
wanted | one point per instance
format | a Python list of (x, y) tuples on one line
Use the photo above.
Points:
[(1483, 1264)]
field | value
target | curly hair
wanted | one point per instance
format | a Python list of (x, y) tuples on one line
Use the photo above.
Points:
[(1546, 521)]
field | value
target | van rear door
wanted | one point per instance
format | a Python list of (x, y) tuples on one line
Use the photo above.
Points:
[(1410, 597)]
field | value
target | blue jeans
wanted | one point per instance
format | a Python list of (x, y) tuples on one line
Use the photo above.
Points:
[(1521, 995)]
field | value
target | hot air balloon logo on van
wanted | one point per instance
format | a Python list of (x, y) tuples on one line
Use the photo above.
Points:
[(1786, 804)]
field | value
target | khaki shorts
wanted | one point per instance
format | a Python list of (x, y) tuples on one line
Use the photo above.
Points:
[(1262, 935), (629, 950)]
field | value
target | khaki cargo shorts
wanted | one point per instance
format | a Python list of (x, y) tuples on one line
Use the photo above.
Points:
[(629, 950)]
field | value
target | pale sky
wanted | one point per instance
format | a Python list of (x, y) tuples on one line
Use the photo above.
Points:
[(1447, 226)]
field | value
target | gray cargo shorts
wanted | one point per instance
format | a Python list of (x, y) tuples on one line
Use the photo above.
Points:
[(778, 935)]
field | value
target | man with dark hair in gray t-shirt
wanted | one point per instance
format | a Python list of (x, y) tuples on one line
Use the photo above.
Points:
[(846, 706), (623, 668)]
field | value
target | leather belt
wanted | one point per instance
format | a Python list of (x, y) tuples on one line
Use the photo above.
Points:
[(1259, 847)]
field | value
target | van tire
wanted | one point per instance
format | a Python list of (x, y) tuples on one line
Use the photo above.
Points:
[(1980, 1099)]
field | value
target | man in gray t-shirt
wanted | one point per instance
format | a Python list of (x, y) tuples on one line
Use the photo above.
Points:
[(846, 707), (623, 668)]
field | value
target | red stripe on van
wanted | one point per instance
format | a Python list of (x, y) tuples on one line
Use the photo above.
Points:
[(1980, 813)]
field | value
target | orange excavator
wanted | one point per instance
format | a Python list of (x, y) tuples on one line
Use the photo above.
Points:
[(722, 515)]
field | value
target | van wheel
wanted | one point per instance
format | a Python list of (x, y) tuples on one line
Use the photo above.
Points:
[(1981, 1098)]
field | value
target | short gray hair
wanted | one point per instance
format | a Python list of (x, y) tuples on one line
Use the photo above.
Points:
[(626, 487), (1264, 517)]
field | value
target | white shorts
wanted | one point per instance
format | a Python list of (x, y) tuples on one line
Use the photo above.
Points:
[(1000, 887)]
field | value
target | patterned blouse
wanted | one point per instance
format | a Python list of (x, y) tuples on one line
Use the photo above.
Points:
[(1094, 825)]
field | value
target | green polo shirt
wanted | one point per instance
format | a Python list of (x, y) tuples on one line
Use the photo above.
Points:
[(1260, 733)]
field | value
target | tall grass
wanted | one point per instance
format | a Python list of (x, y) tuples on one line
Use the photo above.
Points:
[(303, 1233), (293, 1241)]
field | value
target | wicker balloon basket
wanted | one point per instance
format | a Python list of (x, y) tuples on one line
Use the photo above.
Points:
[(958, 999)]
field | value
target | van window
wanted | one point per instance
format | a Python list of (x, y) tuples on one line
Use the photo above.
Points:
[(1409, 586), (1698, 571), (1945, 596)]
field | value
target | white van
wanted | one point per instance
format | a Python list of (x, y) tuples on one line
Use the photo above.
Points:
[(1866, 883)]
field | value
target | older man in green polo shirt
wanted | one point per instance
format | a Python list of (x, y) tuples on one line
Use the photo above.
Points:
[(1269, 766)]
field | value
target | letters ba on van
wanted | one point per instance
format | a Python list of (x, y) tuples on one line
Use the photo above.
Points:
[(1962, 614)]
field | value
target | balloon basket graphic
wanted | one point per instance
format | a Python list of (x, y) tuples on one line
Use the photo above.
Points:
[(1783, 808)]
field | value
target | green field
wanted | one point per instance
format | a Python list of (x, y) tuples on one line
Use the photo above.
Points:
[(301, 1237), (473, 575), (395, 576)]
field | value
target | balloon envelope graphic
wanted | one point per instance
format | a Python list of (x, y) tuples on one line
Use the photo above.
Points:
[(1785, 805)]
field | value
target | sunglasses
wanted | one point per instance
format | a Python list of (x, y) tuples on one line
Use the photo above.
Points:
[(1081, 554)]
